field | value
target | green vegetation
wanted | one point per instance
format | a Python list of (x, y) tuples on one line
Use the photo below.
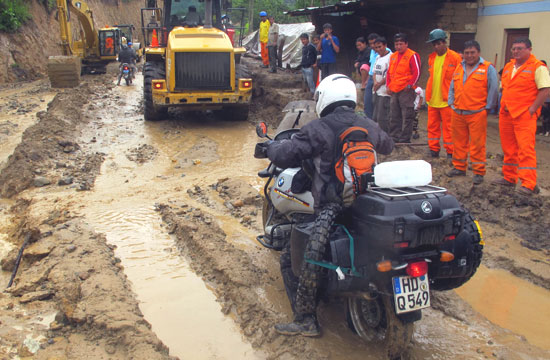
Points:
[(13, 13)]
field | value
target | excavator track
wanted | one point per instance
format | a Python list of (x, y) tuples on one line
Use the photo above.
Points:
[(64, 71)]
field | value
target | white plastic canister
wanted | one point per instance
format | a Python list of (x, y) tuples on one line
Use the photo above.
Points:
[(403, 173)]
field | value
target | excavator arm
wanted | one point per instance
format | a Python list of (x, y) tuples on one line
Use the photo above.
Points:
[(88, 45)]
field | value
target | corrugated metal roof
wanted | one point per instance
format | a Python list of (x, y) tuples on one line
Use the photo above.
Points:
[(344, 6), (338, 7)]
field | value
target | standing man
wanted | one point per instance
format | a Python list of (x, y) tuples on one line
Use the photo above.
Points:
[(329, 46), (472, 94), (272, 41), (264, 30), (368, 100), (525, 86), (442, 64), (309, 57), (381, 96), (403, 74)]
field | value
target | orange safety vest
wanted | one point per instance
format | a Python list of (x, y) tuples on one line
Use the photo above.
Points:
[(472, 94), (400, 73), (451, 63), (519, 92)]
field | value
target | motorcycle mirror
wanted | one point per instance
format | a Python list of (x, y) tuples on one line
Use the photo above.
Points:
[(261, 130)]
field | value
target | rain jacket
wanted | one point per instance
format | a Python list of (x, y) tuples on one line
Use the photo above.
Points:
[(317, 141)]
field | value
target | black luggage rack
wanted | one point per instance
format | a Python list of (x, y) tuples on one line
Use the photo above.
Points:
[(393, 192)]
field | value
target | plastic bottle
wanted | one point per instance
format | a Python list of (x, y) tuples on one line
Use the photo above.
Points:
[(403, 173)]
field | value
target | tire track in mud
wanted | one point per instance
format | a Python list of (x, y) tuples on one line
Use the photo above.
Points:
[(237, 281)]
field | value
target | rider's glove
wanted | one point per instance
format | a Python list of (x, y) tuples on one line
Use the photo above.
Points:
[(261, 149)]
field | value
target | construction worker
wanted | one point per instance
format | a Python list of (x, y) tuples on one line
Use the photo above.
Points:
[(401, 79), (442, 64), (472, 93), (525, 86), (264, 30)]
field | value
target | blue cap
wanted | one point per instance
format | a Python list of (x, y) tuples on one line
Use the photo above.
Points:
[(129, 43), (263, 13)]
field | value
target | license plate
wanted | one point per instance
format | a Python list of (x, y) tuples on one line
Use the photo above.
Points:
[(126, 71), (411, 293)]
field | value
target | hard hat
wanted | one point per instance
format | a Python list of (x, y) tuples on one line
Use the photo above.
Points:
[(437, 34), (263, 13), (335, 90)]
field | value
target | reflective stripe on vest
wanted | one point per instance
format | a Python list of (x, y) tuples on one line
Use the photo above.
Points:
[(519, 92), (472, 94), (400, 73)]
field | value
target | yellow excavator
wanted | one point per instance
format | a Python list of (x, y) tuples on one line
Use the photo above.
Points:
[(191, 61), (90, 53)]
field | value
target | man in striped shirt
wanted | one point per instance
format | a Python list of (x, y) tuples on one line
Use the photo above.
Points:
[(403, 74)]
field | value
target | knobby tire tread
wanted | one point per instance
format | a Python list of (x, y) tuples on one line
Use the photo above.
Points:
[(453, 283), (310, 274), (152, 70)]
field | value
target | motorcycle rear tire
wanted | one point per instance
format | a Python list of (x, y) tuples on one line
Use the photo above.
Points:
[(383, 329), (127, 81)]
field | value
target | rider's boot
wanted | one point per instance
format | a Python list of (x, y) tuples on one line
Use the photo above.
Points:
[(305, 325)]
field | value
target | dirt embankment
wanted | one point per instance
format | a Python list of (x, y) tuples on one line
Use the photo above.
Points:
[(24, 54), (48, 153)]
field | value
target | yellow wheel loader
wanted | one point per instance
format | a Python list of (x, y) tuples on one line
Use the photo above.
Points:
[(190, 62), (88, 51)]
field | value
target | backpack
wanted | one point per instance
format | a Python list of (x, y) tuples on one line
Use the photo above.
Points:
[(355, 160)]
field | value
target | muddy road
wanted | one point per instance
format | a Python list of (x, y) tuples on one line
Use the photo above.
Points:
[(143, 241)]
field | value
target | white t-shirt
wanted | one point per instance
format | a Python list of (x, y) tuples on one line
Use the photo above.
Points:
[(381, 66), (420, 98)]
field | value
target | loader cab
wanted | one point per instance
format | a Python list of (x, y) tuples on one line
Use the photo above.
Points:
[(127, 31)]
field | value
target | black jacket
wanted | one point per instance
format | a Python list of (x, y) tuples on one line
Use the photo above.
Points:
[(309, 56), (363, 57), (316, 140), (127, 55)]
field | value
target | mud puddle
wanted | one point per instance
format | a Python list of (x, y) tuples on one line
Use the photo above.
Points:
[(182, 310), (511, 303)]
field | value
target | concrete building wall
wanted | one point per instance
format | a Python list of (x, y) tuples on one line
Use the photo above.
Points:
[(496, 17)]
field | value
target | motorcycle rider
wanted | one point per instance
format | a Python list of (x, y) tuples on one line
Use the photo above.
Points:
[(127, 55), (336, 98)]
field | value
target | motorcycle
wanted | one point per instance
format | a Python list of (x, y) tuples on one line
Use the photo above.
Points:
[(383, 255), (126, 73)]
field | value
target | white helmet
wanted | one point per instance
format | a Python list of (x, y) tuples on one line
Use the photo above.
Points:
[(335, 90)]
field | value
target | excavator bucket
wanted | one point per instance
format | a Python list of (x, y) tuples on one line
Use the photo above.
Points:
[(64, 71)]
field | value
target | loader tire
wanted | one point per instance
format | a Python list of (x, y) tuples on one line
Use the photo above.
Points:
[(152, 70), (311, 275)]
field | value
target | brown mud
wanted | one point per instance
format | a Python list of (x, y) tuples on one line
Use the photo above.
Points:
[(159, 257)]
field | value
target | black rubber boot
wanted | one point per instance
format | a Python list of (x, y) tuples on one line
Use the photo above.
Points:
[(305, 325)]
